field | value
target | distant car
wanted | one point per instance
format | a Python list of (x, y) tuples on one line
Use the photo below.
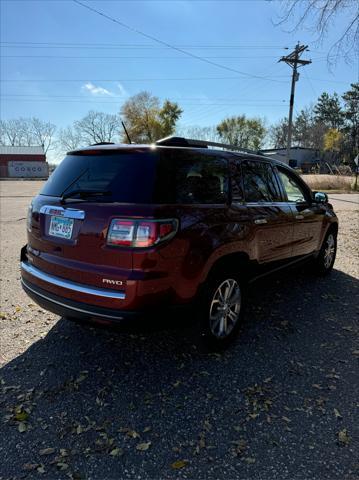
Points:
[(122, 229)]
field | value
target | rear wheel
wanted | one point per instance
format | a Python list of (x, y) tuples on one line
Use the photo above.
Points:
[(221, 310), (324, 262)]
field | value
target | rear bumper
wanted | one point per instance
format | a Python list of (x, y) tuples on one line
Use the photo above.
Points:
[(69, 285), (69, 308)]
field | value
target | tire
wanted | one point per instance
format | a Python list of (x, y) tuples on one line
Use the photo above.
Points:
[(324, 262), (221, 310)]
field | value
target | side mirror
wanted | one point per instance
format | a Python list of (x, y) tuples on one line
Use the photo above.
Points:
[(320, 197)]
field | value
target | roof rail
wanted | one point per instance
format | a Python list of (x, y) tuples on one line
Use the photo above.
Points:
[(101, 143), (173, 141)]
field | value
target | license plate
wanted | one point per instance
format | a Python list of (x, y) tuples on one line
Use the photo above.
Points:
[(61, 227)]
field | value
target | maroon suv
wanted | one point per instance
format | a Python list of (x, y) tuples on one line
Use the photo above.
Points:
[(122, 229)]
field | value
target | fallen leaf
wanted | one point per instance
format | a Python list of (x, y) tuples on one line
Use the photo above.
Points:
[(253, 415), (18, 309), (143, 446), (21, 415), (250, 460), (30, 466), (179, 464), (146, 429), (41, 469), (132, 434), (343, 437), (46, 451), (116, 452), (355, 352), (22, 427), (336, 413), (286, 419)]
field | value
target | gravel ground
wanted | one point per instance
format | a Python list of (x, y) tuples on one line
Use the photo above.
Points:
[(84, 403)]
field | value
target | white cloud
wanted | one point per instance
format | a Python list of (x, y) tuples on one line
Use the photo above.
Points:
[(123, 91), (96, 90)]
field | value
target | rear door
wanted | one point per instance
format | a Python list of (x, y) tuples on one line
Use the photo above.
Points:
[(308, 216), (271, 219)]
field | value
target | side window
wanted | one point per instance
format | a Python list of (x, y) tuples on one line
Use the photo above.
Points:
[(189, 177), (292, 187), (260, 183), (236, 181)]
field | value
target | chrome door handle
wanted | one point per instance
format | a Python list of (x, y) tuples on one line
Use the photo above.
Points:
[(260, 221), (299, 217)]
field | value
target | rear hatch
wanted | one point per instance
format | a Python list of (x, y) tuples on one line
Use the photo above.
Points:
[(69, 219)]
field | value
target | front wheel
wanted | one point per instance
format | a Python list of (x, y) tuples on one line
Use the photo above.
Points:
[(221, 310), (324, 262)]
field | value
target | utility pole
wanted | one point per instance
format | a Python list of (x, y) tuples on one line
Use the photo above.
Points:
[(293, 60)]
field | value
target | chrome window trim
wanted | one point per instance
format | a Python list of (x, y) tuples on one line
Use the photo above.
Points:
[(63, 212), (69, 307), (69, 285)]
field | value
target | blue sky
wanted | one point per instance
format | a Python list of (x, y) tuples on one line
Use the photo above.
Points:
[(59, 60)]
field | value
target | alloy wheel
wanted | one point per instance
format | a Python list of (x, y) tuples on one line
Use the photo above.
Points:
[(225, 308), (329, 251)]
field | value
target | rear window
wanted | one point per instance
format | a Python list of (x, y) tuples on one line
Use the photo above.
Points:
[(167, 176), (129, 176)]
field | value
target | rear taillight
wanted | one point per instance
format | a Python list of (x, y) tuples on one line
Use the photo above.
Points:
[(140, 233)]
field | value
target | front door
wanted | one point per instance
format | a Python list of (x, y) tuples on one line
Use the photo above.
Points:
[(271, 218), (308, 217)]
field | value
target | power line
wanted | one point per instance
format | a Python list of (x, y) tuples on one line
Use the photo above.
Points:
[(154, 39), (103, 80), (121, 97), (206, 111), (147, 57), (130, 45), (113, 80), (116, 103)]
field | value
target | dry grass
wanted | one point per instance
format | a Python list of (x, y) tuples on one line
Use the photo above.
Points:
[(329, 182)]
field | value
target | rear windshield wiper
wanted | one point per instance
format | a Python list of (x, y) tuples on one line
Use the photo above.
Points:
[(84, 193)]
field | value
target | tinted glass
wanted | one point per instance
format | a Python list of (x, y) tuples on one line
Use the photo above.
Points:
[(167, 176), (260, 183), (236, 177), (191, 177), (291, 186), (129, 176)]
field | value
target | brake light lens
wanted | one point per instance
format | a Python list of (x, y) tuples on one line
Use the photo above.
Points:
[(140, 233)]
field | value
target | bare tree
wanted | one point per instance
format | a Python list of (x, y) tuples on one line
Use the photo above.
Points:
[(98, 127), (2, 133), (319, 16), (69, 138), (26, 132), (11, 132), (43, 132), (199, 133)]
